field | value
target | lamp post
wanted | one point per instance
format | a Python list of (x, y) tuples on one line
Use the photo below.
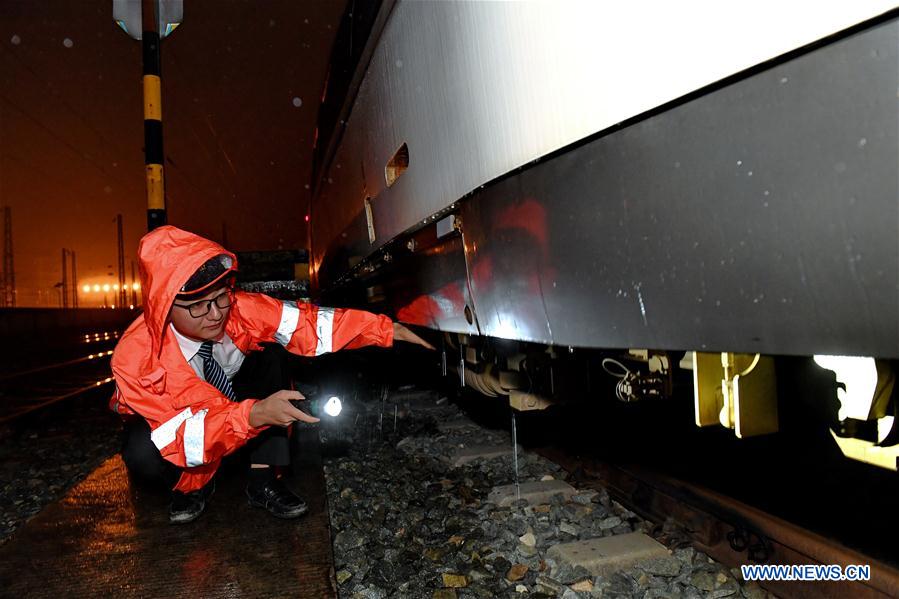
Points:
[(149, 21)]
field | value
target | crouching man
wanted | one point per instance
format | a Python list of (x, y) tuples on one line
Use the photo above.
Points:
[(193, 386)]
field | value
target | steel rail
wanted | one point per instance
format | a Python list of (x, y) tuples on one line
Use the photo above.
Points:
[(46, 401), (88, 358)]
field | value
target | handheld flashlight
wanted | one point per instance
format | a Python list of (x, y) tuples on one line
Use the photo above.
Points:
[(331, 407)]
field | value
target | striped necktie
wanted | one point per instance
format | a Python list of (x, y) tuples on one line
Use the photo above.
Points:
[(213, 372)]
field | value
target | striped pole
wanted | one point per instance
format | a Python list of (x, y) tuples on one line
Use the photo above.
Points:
[(152, 83)]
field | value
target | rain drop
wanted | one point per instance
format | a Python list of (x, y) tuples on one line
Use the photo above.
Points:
[(739, 163), (297, 102), (68, 43), (399, 63), (784, 79), (306, 186), (15, 40), (862, 142)]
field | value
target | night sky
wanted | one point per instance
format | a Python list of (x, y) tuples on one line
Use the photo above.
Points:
[(241, 84)]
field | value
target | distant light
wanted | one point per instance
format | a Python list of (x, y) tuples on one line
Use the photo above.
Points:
[(136, 286), (86, 289), (131, 307), (333, 407), (116, 286), (307, 218), (96, 288), (106, 287), (112, 307)]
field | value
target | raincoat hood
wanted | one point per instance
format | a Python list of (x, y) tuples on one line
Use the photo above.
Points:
[(168, 256)]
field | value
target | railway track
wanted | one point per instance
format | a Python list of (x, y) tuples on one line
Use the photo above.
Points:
[(39, 377), (730, 531)]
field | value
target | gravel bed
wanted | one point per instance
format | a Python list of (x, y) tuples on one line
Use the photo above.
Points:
[(405, 523), (43, 456)]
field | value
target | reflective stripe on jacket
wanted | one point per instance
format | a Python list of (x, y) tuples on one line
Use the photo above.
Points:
[(193, 425)]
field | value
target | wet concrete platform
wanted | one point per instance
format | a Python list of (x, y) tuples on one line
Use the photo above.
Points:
[(107, 538)]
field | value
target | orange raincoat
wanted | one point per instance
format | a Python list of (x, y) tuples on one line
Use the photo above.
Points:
[(193, 425)]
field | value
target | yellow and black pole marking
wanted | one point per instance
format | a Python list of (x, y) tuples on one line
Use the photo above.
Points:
[(153, 155)]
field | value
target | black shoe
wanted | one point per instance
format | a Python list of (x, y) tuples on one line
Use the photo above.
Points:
[(187, 507), (277, 499)]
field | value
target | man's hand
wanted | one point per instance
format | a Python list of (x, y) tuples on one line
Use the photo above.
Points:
[(276, 409), (401, 333)]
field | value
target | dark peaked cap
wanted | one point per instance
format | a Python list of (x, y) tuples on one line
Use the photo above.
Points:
[(212, 271)]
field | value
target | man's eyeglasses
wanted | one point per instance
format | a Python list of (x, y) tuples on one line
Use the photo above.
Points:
[(201, 308)]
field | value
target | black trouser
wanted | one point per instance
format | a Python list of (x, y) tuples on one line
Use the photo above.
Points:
[(261, 374)]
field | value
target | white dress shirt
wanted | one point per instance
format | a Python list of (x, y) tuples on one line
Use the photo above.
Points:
[(223, 351)]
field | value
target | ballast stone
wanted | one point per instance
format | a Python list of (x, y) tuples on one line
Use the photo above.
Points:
[(606, 555), (534, 493)]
